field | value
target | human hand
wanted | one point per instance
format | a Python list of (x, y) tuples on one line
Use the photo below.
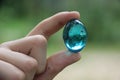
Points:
[(25, 59)]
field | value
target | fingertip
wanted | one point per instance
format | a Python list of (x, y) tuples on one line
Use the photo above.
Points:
[(61, 58), (73, 57), (67, 15), (76, 13)]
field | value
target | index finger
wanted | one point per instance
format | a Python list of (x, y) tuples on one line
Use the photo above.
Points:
[(52, 24)]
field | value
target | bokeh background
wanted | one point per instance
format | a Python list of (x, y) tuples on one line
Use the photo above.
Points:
[(101, 57)]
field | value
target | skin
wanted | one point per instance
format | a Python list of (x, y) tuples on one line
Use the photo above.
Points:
[(25, 58)]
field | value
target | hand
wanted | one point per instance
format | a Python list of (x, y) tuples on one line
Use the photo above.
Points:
[(25, 59)]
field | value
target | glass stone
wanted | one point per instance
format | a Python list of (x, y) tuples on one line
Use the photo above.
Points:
[(75, 35)]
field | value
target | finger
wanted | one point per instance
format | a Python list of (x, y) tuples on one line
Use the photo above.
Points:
[(6, 69), (56, 63), (51, 25), (25, 63), (34, 46)]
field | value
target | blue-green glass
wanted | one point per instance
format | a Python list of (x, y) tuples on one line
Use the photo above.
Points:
[(75, 35)]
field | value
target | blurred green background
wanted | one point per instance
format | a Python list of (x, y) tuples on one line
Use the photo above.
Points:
[(101, 18)]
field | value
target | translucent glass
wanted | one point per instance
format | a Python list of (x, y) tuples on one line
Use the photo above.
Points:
[(75, 35)]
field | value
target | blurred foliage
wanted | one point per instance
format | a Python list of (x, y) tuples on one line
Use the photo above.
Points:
[(101, 17)]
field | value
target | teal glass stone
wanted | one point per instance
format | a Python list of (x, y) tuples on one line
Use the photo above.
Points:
[(75, 35)]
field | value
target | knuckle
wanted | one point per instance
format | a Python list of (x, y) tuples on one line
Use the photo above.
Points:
[(39, 40), (18, 75), (30, 65)]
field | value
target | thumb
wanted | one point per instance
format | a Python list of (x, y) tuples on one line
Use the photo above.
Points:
[(56, 64)]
